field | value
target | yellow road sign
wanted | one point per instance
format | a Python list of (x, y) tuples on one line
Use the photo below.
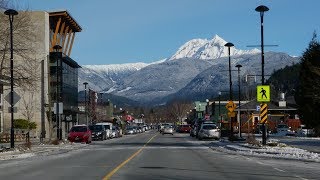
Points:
[(231, 106), (263, 113), (263, 93), (231, 114)]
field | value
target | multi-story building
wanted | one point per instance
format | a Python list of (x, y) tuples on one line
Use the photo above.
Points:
[(43, 75)]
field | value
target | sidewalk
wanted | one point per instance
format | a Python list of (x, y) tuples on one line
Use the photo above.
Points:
[(37, 149), (274, 150)]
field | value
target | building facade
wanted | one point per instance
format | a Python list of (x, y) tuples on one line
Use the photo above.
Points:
[(40, 70)]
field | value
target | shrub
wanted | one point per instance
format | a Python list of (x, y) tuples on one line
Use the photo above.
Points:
[(24, 124)]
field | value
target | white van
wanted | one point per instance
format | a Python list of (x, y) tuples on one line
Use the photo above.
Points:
[(108, 127)]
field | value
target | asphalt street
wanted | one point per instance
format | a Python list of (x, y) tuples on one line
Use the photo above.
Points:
[(151, 155), (309, 144)]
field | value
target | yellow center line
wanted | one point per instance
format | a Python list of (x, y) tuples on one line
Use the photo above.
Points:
[(108, 176)]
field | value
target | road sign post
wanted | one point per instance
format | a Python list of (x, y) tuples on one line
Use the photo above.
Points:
[(263, 96), (231, 114)]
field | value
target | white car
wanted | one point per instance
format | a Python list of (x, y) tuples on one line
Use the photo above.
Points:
[(284, 130), (207, 131), (108, 127)]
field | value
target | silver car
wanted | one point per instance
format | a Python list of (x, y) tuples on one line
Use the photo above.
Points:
[(209, 131), (167, 130)]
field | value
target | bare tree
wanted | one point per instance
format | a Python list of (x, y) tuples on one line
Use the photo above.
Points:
[(179, 109)]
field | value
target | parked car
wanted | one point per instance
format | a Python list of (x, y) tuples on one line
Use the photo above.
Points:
[(130, 130), (185, 128), (167, 130), (304, 131), (108, 127), (115, 132), (98, 132), (284, 130), (193, 131), (80, 133), (208, 130)]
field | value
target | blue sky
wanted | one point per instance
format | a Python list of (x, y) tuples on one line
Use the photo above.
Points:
[(124, 31)]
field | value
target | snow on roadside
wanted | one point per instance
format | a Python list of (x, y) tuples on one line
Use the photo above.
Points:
[(272, 152), (15, 156), (35, 150)]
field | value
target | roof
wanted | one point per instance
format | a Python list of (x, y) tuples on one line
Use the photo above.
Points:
[(70, 62), (67, 17), (272, 106)]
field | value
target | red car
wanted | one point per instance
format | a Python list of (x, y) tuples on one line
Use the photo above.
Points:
[(186, 128), (80, 133)]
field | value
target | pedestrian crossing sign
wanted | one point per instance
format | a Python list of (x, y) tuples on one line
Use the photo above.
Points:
[(263, 93)]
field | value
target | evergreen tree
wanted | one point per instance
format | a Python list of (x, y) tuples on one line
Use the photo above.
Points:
[(308, 91)]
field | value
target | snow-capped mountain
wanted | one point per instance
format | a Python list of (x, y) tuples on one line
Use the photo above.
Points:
[(197, 69), (104, 77), (216, 78), (208, 49), (159, 80)]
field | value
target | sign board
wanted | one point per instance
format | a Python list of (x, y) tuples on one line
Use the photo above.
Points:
[(258, 108), (15, 109), (60, 108), (263, 113), (231, 114), (282, 103), (231, 106), (263, 93), (200, 106), (16, 98)]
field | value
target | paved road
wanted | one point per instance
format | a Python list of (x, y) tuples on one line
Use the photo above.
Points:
[(154, 156), (309, 144)]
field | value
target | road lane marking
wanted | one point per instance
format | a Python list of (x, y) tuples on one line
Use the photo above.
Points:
[(108, 176), (279, 169)]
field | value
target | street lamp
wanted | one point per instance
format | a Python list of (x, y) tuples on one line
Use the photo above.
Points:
[(207, 107), (58, 73), (261, 9), (219, 108), (239, 94), (11, 13), (229, 45), (101, 101), (85, 101)]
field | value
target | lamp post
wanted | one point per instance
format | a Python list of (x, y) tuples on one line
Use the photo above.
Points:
[(58, 73), (207, 107), (229, 45), (85, 101), (11, 13), (261, 9), (219, 109), (239, 94)]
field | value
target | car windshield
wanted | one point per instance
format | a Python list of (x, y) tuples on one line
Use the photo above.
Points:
[(107, 126), (208, 127), (96, 127), (78, 129), (283, 126)]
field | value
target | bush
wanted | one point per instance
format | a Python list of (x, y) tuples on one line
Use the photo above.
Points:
[(24, 124)]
